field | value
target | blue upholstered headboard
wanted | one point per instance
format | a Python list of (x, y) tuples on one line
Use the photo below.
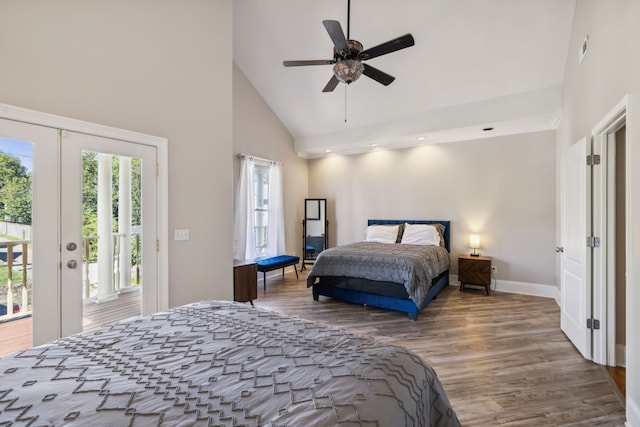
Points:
[(447, 226)]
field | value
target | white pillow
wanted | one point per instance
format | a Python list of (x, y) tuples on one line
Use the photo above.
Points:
[(382, 233), (420, 234)]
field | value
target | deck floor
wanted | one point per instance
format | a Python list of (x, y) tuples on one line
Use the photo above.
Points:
[(15, 335)]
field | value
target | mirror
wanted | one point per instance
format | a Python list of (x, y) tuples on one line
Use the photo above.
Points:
[(314, 229)]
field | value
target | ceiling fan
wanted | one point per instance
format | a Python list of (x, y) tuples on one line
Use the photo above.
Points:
[(348, 55)]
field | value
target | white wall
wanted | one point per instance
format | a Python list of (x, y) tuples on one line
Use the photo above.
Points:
[(258, 131), (610, 70), (503, 188), (155, 66)]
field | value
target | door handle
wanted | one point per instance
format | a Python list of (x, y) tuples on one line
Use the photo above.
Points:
[(559, 249), (71, 246), (72, 263)]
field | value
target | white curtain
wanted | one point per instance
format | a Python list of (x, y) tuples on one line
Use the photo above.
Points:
[(244, 242), (244, 239)]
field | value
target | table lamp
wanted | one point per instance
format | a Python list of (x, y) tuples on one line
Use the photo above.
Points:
[(474, 243)]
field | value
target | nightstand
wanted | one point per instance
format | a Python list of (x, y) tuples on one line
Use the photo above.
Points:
[(245, 281), (474, 270)]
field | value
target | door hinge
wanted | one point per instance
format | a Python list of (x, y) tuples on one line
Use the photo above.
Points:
[(593, 242), (593, 324), (593, 159), (157, 245), (157, 169)]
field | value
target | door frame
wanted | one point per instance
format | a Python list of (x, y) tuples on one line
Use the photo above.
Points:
[(161, 144), (604, 295)]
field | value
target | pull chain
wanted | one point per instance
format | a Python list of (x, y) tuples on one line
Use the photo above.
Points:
[(345, 103)]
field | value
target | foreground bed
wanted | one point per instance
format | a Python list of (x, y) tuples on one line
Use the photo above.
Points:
[(396, 276), (220, 363)]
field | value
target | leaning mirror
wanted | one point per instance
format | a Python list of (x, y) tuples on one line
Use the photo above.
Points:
[(314, 229)]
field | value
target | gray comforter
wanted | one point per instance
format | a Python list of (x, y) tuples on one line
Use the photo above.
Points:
[(414, 266), (220, 363)]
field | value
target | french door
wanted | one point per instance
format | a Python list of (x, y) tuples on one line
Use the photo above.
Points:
[(37, 294), (116, 244), (93, 231)]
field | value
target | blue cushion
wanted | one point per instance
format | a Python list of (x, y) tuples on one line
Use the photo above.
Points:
[(277, 262)]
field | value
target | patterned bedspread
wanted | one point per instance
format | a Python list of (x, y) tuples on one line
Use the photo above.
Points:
[(220, 363), (414, 266)]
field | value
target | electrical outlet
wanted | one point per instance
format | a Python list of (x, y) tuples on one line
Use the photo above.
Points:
[(494, 269), (181, 235)]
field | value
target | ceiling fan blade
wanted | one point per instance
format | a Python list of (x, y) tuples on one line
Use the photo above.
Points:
[(309, 62), (377, 75), (337, 37), (331, 85), (398, 43)]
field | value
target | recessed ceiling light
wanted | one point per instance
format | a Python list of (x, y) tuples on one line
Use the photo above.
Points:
[(373, 145), (487, 129), (327, 150), (422, 138)]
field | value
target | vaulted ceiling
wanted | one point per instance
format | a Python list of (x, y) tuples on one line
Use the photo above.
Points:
[(475, 64)]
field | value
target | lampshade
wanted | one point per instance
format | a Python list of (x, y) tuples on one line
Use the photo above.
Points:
[(348, 70), (474, 241)]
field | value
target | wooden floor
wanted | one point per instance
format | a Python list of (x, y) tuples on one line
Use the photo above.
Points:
[(15, 335), (619, 377), (502, 359)]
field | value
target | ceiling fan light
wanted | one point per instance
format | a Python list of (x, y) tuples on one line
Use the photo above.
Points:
[(348, 70)]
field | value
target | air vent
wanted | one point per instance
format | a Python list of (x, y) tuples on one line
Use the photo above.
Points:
[(583, 49)]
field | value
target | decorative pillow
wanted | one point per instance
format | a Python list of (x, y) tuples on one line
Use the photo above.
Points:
[(382, 233), (440, 229), (420, 234)]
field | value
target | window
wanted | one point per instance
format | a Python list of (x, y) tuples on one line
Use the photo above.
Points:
[(261, 208), (259, 216)]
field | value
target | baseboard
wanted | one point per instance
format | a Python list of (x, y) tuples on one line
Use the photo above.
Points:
[(557, 297), (525, 288), (633, 413)]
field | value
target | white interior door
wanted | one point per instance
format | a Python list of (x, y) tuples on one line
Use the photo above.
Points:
[(103, 266), (575, 199)]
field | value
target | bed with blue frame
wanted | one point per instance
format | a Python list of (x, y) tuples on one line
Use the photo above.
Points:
[(382, 294)]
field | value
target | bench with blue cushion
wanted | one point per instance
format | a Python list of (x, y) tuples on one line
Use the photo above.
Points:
[(273, 263)]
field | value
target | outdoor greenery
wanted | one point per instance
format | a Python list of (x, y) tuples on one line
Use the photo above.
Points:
[(4, 274), (15, 190)]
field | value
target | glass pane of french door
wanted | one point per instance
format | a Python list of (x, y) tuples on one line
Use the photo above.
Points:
[(28, 169), (109, 267)]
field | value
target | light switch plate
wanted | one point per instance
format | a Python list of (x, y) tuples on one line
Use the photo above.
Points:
[(181, 235)]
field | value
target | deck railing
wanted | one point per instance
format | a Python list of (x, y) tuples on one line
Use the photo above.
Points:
[(16, 293), (17, 250)]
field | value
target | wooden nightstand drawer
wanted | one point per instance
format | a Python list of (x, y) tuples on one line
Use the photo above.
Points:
[(474, 270)]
